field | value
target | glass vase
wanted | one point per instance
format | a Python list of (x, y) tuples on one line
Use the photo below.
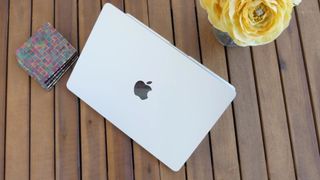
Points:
[(223, 38)]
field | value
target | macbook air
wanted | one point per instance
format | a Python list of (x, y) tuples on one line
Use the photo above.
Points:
[(160, 97)]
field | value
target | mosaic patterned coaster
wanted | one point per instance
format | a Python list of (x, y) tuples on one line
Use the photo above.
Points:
[(46, 56)]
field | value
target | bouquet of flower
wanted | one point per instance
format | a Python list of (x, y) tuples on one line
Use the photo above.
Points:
[(249, 22)]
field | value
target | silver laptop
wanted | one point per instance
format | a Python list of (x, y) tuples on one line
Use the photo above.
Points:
[(160, 97)]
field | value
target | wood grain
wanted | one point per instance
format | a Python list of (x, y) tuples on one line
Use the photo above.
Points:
[(146, 166), (308, 16), (93, 143), (120, 164), (299, 110), (199, 165), (66, 104), (223, 138), (42, 109), (138, 8), (160, 20), (17, 130), (273, 114), (246, 111), (117, 3), (4, 23)]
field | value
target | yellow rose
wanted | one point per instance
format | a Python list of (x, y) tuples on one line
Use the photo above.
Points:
[(250, 22)]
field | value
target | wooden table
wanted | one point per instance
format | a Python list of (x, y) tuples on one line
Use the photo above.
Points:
[(271, 131)]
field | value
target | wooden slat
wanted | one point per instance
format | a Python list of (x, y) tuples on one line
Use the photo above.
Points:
[(17, 130), (138, 8), (42, 109), (299, 110), (146, 166), (93, 143), (199, 165), (4, 23), (249, 135), (168, 174), (66, 104), (273, 114), (160, 20), (118, 3), (120, 165), (309, 17), (223, 140), (119, 147)]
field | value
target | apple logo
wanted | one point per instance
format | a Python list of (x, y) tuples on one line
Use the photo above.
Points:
[(141, 89)]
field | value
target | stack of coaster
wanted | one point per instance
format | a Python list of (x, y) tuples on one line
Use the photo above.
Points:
[(46, 56)]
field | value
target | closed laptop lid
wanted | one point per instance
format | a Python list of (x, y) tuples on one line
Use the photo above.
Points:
[(161, 98)]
